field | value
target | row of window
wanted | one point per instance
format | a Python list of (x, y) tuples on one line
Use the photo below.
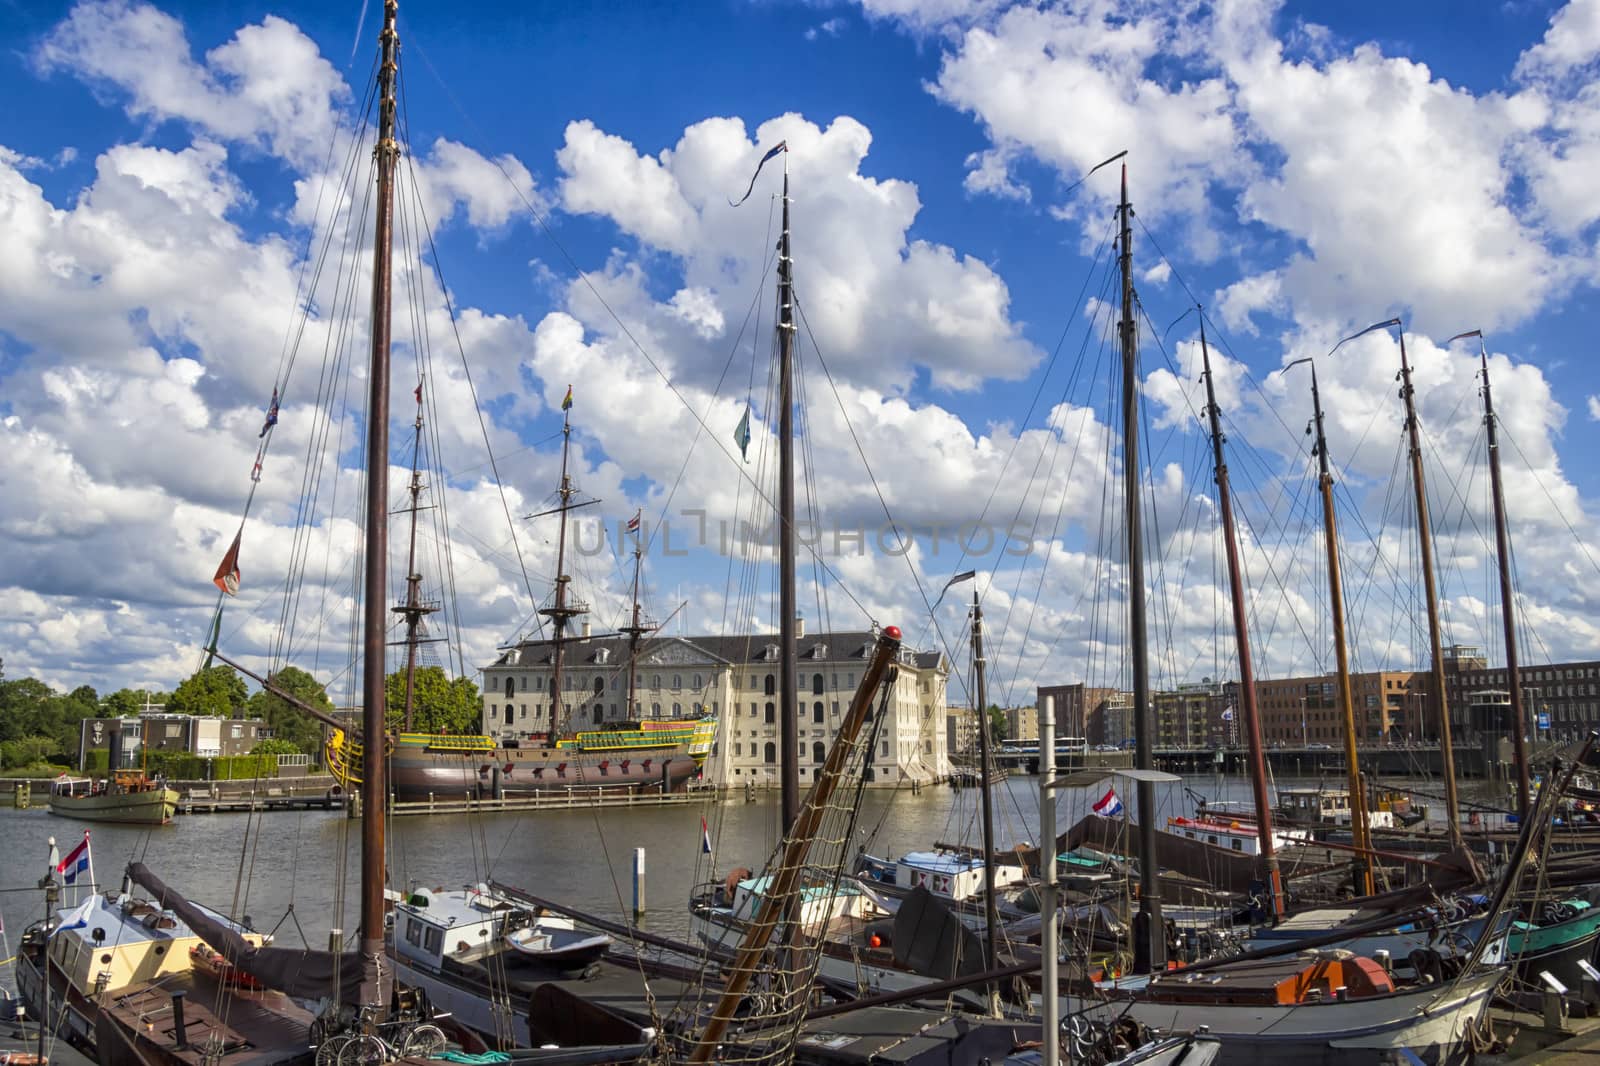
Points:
[(514, 711)]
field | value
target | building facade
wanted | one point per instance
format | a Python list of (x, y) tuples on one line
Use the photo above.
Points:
[(156, 732), (736, 679), (1561, 700), (1076, 707)]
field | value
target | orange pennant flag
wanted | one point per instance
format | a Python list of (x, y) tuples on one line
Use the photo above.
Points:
[(227, 576)]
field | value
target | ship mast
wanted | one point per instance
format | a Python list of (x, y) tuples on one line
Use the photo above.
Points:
[(1241, 636), (1502, 544), (563, 610), (1430, 590), (1149, 948), (788, 696), (374, 776), (636, 628), (1360, 827), (991, 911), (414, 610)]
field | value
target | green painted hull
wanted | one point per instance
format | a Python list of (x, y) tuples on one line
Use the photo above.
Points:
[(155, 807)]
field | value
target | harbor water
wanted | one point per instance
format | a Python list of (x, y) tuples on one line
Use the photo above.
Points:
[(296, 872)]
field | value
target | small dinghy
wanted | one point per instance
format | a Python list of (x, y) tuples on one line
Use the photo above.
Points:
[(559, 949)]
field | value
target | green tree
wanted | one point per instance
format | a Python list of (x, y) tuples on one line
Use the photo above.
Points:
[(128, 702), (288, 722), (217, 691), (440, 704), (998, 726), (275, 746)]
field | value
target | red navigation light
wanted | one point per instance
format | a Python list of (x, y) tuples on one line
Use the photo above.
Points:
[(892, 632)]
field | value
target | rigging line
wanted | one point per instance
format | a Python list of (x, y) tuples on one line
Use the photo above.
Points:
[(1052, 444), (1505, 434), (1055, 354), (594, 291), (337, 347), (466, 369)]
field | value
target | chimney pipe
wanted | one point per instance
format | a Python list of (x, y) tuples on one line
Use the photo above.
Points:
[(799, 627), (179, 1035), (586, 631)]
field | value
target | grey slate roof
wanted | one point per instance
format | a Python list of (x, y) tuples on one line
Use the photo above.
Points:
[(745, 649)]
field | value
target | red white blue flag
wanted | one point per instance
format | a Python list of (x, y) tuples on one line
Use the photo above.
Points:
[(705, 836), (633, 523), (1110, 806), (76, 862)]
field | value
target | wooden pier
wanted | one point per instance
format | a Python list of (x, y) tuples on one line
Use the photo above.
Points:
[(272, 798)]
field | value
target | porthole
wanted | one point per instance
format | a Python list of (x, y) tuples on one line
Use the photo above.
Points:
[(106, 958)]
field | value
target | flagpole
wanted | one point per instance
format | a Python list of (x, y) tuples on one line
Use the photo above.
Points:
[(88, 853)]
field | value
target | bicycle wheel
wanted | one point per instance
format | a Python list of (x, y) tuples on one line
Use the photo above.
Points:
[(328, 1049), (364, 1050), (424, 1041)]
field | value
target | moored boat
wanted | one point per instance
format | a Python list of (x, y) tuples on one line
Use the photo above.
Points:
[(128, 797)]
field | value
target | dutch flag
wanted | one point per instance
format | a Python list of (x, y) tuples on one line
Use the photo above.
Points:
[(1109, 806), (705, 836), (76, 862)]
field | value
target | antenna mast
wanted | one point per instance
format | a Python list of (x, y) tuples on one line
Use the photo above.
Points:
[(562, 610)]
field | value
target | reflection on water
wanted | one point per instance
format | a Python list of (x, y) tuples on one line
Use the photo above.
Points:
[(283, 869)]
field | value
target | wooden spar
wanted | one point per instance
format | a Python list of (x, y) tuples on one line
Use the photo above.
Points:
[(375, 591), (1150, 944), (1430, 588), (991, 910), (1502, 545), (561, 612), (788, 684), (1360, 824), (1241, 636), (296, 702), (797, 843)]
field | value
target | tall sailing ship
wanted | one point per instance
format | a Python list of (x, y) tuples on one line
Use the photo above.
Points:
[(633, 753)]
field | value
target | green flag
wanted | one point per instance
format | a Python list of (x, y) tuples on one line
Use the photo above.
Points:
[(741, 434)]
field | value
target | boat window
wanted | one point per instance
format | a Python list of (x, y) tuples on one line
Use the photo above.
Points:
[(433, 939), (1211, 838), (1238, 845), (413, 932)]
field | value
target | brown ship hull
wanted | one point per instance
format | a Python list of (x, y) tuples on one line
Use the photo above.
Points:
[(421, 773)]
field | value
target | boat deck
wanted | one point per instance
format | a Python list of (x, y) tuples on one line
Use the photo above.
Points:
[(255, 1028)]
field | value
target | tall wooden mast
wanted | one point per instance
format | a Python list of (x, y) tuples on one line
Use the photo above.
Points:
[(1360, 828), (414, 610), (375, 768), (1502, 544), (1431, 591), (788, 695), (635, 629), (564, 608), (1241, 636), (991, 912), (1150, 945)]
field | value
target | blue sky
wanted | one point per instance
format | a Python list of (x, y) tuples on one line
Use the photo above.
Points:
[(1308, 170)]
